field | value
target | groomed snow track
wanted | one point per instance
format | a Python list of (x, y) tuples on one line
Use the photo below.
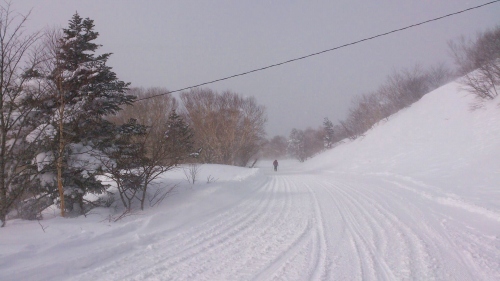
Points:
[(324, 226)]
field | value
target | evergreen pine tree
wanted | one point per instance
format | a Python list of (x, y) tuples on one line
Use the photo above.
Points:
[(85, 91), (329, 133), (121, 158), (179, 138), (296, 145)]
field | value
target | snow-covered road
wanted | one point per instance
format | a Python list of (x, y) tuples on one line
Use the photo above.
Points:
[(289, 225), (320, 226)]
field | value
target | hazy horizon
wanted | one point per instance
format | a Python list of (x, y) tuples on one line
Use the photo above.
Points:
[(177, 44)]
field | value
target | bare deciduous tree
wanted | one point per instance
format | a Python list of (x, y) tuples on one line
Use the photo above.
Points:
[(19, 59), (191, 172), (478, 61), (229, 128)]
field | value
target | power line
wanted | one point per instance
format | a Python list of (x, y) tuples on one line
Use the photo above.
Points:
[(324, 51)]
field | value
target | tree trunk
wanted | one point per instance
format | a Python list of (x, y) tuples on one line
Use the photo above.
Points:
[(61, 150), (3, 189)]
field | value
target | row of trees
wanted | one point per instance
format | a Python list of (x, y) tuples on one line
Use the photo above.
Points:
[(226, 128)]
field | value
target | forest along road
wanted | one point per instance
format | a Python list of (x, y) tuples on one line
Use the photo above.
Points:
[(291, 225)]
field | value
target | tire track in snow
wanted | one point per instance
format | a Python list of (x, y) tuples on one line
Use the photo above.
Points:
[(222, 235), (183, 243), (212, 256), (304, 257), (479, 252), (321, 248), (407, 245), (223, 222), (373, 267), (245, 256), (372, 228), (413, 249), (432, 252), (473, 252), (277, 237), (304, 227)]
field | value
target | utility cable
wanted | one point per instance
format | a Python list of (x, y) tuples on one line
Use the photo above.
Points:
[(324, 51)]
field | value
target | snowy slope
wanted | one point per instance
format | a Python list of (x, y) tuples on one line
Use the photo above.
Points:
[(417, 198), (439, 140)]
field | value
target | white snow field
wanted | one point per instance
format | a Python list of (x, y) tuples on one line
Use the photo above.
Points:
[(416, 198)]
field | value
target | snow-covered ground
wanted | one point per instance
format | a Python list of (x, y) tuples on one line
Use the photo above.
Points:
[(417, 198)]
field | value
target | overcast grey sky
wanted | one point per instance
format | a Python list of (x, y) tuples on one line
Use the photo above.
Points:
[(176, 44)]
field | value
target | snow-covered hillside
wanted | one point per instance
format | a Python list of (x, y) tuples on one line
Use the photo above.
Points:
[(417, 198), (438, 141)]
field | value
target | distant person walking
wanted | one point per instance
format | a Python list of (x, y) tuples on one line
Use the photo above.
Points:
[(275, 164)]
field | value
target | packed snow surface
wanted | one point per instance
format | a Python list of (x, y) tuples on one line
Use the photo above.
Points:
[(416, 198)]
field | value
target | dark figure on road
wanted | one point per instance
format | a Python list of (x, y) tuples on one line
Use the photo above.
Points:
[(275, 164)]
